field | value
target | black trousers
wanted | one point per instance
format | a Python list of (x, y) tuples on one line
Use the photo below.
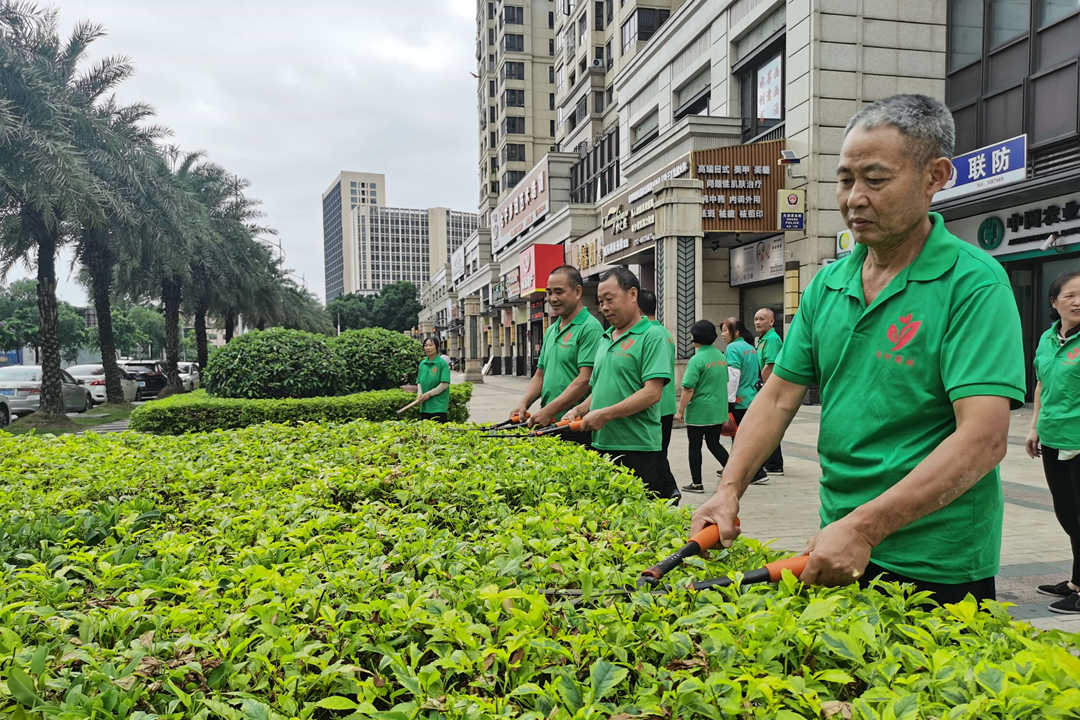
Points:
[(775, 463), (666, 424), (435, 417), (650, 467), (1063, 478), (710, 434), (582, 437), (739, 414), (984, 589)]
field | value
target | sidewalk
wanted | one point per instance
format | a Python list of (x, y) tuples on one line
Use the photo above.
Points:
[(1034, 548)]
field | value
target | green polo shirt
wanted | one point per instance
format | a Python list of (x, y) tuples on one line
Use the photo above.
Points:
[(768, 347), (944, 329), (566, 350), (668, 406), (622, 366), (1058, 368), (430, 374), (707, 375), (742, 357)]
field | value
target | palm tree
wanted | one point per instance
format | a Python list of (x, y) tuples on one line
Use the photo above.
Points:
[(45, 181)]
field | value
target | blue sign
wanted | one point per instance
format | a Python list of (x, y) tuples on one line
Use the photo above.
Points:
[(792, 221), (10, 357), (988, 167)]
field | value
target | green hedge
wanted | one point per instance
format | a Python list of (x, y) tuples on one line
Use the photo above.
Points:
[(376, 359), (396, 570), (198, 412), (276, 363)]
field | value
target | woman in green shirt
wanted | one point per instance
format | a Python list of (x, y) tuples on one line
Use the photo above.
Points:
[(1055, 426), (433, 384), (703, 405), (744, 372)]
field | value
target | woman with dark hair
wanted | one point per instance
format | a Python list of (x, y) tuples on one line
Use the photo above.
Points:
[(703, 405), (433, 384), (1055, 426), (744, 372)]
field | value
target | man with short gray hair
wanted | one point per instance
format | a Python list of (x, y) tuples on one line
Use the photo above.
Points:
[(914, 340)]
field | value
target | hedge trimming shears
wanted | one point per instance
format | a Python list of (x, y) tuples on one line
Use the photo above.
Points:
[(561, 426), (515, 421)]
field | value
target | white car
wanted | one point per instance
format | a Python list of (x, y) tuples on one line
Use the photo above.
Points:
[(93, 377), (189, 375), (20, 385)]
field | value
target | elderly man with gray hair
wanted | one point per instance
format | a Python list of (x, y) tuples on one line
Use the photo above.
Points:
[(914, 340)]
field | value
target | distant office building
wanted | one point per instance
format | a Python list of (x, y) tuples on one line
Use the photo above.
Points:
[(349, 190)]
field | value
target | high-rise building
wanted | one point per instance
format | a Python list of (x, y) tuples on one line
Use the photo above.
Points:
[(515, 54), (348, 191)]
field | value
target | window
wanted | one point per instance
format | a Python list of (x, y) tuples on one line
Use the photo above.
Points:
[(551, 74), (551, 101), (610, 14), (514, 15), (551, 128), (512, 177), (514, 43), (1050, 11), (762, 93), (513, 70), (607, 54), (491, 113), (514, 98), (598, 101), (965, 32), (1008, 19), (642, 25), (491, 36), (598, 15), (598, 55), (551, 47), (629, 32), (514, 152), (491, 88), (514, 125), (551, 20), (645, 131)]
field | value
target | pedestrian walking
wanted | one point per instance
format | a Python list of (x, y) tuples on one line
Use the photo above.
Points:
[(743, 377), (703, 405), (433, 384), (914, 340), (1055, 426), (566, 359), (628, 378), (768, 349), (647, 303)]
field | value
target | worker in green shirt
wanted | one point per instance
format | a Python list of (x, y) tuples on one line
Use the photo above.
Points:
[(743, 377), (914, 341), (433, 384), (1055, 426), (566, 359), (632, 366), (768, 349), (703, 404), (647, 303)]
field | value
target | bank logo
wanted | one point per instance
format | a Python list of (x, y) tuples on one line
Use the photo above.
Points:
[(901, 336)]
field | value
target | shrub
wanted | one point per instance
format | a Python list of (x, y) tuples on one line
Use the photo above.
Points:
[(376, 359), (274, 363), (197, 412), (395, 571)]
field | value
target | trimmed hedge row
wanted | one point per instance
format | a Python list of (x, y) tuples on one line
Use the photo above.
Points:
[(198, 412)]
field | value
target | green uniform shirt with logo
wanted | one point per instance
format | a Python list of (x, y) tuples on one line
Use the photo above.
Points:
[(945, 328), (707, 375), (668, 406), (768, 347), (742, 357), (1057, 366), (565, 351), (621, 369), (428, 377)]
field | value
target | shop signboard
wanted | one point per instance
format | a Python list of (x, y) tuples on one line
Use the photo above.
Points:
[(988, 167), (757, 261), (1039, 226), (770, 79), (791, 204), (536, 263), (457, 264), (628, 220), (845, 243), (527, 203), (512, 283), (741, 187)]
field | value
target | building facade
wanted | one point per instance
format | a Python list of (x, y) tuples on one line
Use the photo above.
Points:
[(348, 191)]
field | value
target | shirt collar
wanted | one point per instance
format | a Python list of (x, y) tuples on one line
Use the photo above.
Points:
[(1064, 338), (935, 258), (639, 327)]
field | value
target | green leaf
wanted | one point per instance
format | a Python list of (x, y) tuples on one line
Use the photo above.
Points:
[(337, 702), (818, 609), (842, 644), (22, 688), (834, 675), (604, 677), (571, 693)]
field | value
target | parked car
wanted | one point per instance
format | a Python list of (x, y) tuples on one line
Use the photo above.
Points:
[(149, 375), (5, 412), (93, 377), (189, 375), (20, 386)]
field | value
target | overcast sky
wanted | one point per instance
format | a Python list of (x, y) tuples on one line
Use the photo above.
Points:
[(288, 94)]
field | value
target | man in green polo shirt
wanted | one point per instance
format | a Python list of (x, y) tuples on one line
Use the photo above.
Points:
[(562, 374), (631, 369), (915, 342), (768, 349)]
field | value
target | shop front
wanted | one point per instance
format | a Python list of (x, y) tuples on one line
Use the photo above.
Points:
[(757, 270)]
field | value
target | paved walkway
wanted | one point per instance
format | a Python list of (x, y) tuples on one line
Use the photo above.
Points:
[(1034, 548)]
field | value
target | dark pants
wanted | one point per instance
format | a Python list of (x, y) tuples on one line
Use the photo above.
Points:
[(666, 423), (1064, 481), (650, 467), (775, 463), (583, 438), (435, 417), (711, 435), (942, 593), (739, 414)]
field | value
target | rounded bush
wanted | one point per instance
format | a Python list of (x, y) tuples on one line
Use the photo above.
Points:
[(275, 363), (376, 359)]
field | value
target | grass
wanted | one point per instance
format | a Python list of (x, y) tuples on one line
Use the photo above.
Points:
[(99, 415)]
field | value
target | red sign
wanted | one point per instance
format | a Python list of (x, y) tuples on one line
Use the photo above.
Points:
[(536, 263)]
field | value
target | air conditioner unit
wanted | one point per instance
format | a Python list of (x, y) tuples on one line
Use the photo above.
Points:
[(596, 63)]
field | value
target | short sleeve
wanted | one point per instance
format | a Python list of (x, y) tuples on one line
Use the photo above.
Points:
[(982, 352), (772, 350), (419, 373), (596, 361), (734, 357), (795, 361), (542, 361), (655, 356), (587, 345), (444, 373), (693, 374)]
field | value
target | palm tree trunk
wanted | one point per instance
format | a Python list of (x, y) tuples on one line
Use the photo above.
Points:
[(99, 264), (171, 294), (52, 391), (230, 325), (200, 334)]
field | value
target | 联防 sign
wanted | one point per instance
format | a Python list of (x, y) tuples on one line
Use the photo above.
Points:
[(988, 167)]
